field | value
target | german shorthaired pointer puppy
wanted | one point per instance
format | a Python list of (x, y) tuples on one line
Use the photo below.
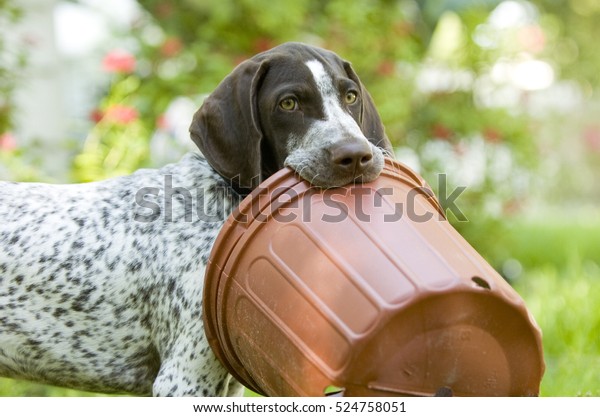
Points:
[(101, 283)]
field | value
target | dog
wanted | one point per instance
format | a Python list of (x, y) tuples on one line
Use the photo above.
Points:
[(101, 283)]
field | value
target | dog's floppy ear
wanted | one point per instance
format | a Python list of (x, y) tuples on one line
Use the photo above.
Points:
[(227, 130), (370, 122)]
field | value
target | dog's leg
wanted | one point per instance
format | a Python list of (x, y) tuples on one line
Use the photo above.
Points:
[(187, 373)]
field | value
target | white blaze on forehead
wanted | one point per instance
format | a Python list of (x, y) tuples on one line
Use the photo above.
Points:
[(334, 112), (321, 77)]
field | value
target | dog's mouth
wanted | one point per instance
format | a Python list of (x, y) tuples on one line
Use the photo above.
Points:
[(326, 180)]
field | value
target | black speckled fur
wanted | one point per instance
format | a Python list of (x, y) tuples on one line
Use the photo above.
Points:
[(95, 299)]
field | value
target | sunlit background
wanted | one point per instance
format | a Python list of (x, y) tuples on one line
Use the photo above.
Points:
[(500, 96)]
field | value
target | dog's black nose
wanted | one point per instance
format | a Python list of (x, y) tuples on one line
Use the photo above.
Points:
[(351, 157)]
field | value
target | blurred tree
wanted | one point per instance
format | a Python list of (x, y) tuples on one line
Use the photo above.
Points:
[(186, 49), (572, 28), (442, 73), (571, 142)]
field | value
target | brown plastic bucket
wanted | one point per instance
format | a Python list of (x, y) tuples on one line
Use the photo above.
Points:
[(366, 288)]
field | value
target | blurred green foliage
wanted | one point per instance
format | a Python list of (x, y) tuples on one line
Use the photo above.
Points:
[(118, 144), (185, 49)]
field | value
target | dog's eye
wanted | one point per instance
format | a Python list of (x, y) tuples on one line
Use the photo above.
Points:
[(288, 104), (351, 97)]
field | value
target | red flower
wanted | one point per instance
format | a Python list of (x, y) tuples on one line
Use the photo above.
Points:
[(162, 123), (591, 136), (492, 135), (440, 131), (121, 114), (119, 61), (96, 115), (171, 47), (263, 44), (512, 206), (386, 68), (7, 142), (532, 38), (237, 60), (164, 9)]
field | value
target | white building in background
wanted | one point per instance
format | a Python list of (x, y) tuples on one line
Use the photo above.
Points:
[(41, 115), (64, 43)]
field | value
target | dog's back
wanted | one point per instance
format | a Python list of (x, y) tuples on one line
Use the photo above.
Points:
[(93, 277)]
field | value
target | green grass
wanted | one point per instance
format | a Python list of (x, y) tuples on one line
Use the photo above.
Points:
[(553, 238), (560, 255), (14, 388), (566, 304)]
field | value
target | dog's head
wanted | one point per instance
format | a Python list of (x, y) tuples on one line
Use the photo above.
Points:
[(294, 105)]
